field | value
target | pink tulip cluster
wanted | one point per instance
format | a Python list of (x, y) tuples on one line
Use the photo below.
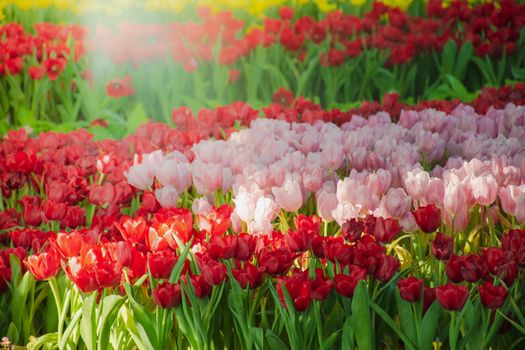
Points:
[(366, 166)]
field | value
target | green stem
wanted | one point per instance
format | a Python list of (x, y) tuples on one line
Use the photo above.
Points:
[(58, 301)]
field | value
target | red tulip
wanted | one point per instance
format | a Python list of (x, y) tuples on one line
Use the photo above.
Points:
[(120, 87), (410, 288), (161, 263), (514, 242), (299, 290), (452, 297), (427, 218), (167, 295), (102, 195), (353, 229), (442, 247), (275, 262), (214, 273), (321, 285), (249, 276), (492, 296), (387, 265), (429, 296), (132, 229), (384, 230), (43, 266), (345, 284), (222, 247), (245, 247), (336, 250), (69, 244), (54, 211)]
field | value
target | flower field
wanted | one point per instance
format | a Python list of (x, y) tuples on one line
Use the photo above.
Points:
[(285, 174)]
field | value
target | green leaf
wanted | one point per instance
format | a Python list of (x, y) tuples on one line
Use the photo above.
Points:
[(137, 332), (175, 273), (257, 334), (13, 334), (361, 319), (348, 336), (390, 322), (274, 342), (406, 317), (88, 324), (136, 117), (110, 308), (66, 336), (463, 59), (448, 57), (428, 326)]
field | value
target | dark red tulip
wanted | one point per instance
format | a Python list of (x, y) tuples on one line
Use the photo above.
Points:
[(429, 296), (428, 218), (299, 290), (451, 296), (299, 241), (275, 262), (75, 217), (245, 247), (384, 230), (500, 263), (336, 250), (318, 244), (167, 295), (353, 229), (149, 202), (442, 246), (200, 286), (514, 242), (321, 285), (102, 194), (345, 284), (386, 267), (248, 276), (214, 273), (54, 211), (492, 296), (410, 288)]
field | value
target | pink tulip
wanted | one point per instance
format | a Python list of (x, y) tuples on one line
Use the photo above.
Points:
[(484, 189), (289, 196), (167, 196), (397, 202), (416, 183), (139, 176)]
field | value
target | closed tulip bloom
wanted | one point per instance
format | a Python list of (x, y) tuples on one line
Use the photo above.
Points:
[(452, 297), (167, 196), (442, 246), (410, 288), (289, 197), (167, 295), (345, 284), (492, 296), (428, 218), (140, 176), (416, 183), (484, 189)]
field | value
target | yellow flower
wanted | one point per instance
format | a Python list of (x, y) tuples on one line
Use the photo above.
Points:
[(402, 4), (357, 2), (325, 5)]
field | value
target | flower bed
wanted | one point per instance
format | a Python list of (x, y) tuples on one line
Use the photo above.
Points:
[(289, 174)]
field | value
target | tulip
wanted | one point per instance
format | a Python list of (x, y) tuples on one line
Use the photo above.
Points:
[(161, 263), (484, 189), (275, 262), (249, 276), (345, 284), (452, 297), (167, 295), (387, 266), (428, 218), (298, 288), (492, 296), (289, 197), (43, 266), (222, 247), (410, 288), (335, 250), (442, 247), (245, 247)]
